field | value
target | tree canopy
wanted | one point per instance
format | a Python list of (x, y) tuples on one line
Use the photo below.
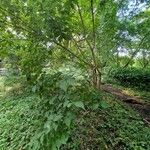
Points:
[(88, 33)]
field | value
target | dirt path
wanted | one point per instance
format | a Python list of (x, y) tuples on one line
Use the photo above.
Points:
[(139, 105)]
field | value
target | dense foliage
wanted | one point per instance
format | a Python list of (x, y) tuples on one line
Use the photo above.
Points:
[(59, 52), (132, 76), (30, 122), (54, 106), (46, 121), (91, 34)]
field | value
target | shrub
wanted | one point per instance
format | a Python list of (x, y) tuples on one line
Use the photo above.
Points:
[(132, 76), (44, 118)]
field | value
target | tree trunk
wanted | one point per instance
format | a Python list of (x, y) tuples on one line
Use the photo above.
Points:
[(96, 79)]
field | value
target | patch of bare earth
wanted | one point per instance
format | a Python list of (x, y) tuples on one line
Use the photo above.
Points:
[(143, 108)]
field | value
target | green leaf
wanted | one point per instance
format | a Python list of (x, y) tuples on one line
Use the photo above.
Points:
[(64, 138), (63, 85), (34, 89), (104, 105), (67, 120), (67, 104), (79, 104), (95, 106), (57, 117)]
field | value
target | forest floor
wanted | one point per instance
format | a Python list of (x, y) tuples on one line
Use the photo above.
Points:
[(115, 127), (138, 104)]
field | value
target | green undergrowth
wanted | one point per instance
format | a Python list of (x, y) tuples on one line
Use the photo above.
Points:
[(19, 121), (100, 122), (116, 127)]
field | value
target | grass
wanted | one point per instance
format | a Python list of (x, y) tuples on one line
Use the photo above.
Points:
[(115, 127)]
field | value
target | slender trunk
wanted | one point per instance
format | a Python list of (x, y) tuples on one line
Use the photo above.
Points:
[(94, 76), (96, 79), (96, 72)]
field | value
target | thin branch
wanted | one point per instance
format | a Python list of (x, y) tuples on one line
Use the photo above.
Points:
[(93, 23), (12, 14), (93, 50), (69, 51), (66, 49), (78, 47), (83, 26), (136, 51), (84, 31)]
